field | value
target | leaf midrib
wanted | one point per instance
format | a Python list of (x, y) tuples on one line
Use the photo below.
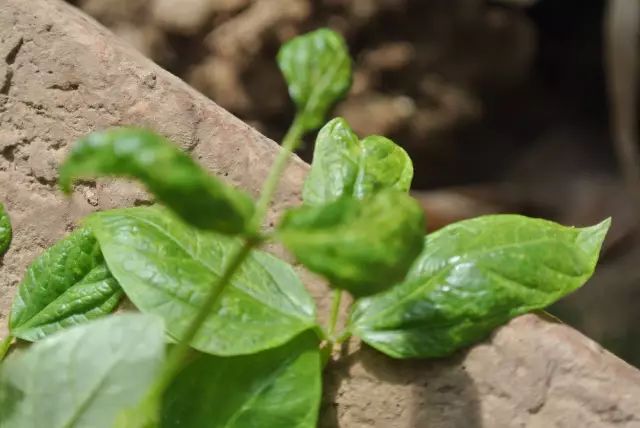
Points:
[(26, 326), (255, 392), (29, 299), (91, 397), (208, 268), (446, 268)]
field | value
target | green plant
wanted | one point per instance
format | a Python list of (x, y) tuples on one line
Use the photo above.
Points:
[(245, 347)]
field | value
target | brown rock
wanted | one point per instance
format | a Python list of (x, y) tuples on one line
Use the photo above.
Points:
[(220, 79), (185, 16), (69, 76), (148, 39), (377, 114), (243, 35), (390, 56), (114, 11)]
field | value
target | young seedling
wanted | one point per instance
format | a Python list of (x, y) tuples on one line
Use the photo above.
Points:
[(245, 343)]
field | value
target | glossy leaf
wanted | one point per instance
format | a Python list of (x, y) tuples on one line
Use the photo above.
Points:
[(67, 285), (364, 246), (167, 268), (474, 276), (317, 68), (5, 230), (276, 388), (344, 165), (169, 173), (383, 165), (335, 165), (81, 377)]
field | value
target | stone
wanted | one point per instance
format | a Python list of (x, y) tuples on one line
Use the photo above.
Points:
[(186, 16)]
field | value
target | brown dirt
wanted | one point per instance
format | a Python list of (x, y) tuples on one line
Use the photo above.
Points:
[(421, 67)]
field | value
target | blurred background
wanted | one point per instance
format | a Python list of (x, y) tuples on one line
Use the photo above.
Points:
[(503, 106)]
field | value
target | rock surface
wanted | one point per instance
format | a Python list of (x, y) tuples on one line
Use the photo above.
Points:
[(63, 75)]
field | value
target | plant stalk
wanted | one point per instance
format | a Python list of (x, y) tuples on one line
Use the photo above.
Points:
[(332, 340), (335, 310), (5, 344), (289, 144), (178, 355), (342, 337), (176, 358)]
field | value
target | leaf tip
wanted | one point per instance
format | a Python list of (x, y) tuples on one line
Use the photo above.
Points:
[(591, 238), (599, 229)]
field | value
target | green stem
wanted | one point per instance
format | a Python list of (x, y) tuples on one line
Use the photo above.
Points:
[(342, 337), (178, 355), (5, 344), (335, 310), (327, 348), (325, 353), (289, 144)]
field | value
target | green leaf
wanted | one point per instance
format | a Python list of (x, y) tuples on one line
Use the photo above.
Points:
[(383, 164), (317, 68), (67, 285), (81, 377), (343, 165), (474, 276), (167, 268), (169, 173), (5, 230), (276, 388), (364, 246)]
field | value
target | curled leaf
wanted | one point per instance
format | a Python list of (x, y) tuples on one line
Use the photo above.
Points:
[(344, 165), (364, 246), (383, 165), (170, 174)]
